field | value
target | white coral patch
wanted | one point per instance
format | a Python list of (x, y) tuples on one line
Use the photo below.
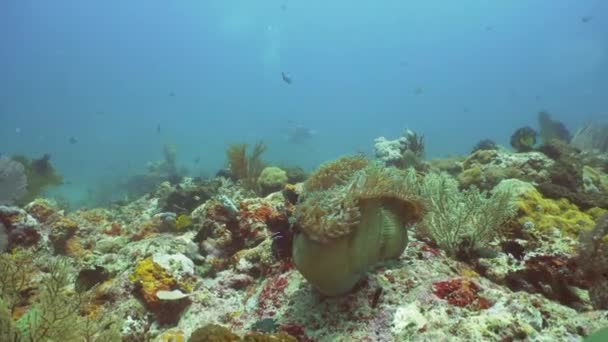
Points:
[(408, 317)]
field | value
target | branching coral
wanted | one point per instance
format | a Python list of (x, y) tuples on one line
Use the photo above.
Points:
[(246, 168), (462, 221), (16, 270), (352, 219)]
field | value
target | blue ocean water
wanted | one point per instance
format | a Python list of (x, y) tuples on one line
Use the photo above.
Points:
[(208, 73)]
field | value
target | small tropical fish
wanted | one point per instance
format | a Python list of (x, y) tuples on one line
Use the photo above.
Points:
[(286, 78), (73, 140), (586, 18), (158, 128), (418, 91)]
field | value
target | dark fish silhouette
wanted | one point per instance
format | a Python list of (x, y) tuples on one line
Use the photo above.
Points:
[(286, 78), (171, 94), (73, 140), (586, 19), (158, 128)]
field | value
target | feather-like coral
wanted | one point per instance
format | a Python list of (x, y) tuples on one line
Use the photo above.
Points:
[(462, 221), (246, 168)]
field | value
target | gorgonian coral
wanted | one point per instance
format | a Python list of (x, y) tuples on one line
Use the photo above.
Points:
[(13, 182)]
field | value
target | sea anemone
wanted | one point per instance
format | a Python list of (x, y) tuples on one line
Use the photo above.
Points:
[(346, 229)]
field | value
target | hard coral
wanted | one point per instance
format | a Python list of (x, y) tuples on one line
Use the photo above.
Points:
[(151, 278), (546, 214), (359, 221), (271, 179), (486, 168)]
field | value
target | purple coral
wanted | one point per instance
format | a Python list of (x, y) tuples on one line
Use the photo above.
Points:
[(13, 182)]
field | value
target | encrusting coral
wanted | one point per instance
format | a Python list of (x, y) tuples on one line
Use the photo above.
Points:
[(546, 214), (347, 228)]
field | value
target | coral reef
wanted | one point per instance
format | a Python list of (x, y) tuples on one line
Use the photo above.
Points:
[(501, 246), (406, 151), (486, 168)]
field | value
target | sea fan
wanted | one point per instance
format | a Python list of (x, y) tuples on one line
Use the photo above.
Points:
[(13, 182)]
